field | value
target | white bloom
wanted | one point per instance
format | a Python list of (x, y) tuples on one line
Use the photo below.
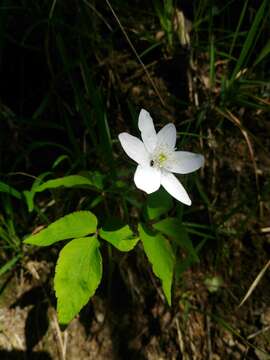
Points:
[(157, 158)]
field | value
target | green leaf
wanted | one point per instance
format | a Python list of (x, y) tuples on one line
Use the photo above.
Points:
[(236, 32), (77, 276), (158, 203), (74, 225), (96, 178), (9, 190), (29, 198), (9, 264), (66, 181), (93, 179), (173, 228), (160, 255), (59, 160), (263, 54), (30, 195), (119, 235), (251, 38)]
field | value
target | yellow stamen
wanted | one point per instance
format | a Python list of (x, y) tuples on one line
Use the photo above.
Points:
[(161, 158)]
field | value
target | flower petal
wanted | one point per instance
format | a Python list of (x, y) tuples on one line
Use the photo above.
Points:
[(147, 178), (134, 148), (147, 130), (184, 162), (167, 136), (174, 187)]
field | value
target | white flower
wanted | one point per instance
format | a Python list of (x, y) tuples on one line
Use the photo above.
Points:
[(157, 158)]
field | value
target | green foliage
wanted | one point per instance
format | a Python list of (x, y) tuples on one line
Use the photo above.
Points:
[(77, 276), (241, 49), (164, 10), (30, 194), (263, 54), (98, 114), (174, 229), (8, 227), (119, 235), (74, 225), (68, 182), (251, 39), (92, 180), (10, 264), (160, 255), (157, 204), (5, 188), (213, 284)]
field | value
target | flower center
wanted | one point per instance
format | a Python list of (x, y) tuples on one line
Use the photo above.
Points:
[(160, 157)]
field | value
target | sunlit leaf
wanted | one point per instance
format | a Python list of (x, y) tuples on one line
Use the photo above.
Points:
[(77, 276), (160, 255), (66, 181), (119, 235), (73, 225)]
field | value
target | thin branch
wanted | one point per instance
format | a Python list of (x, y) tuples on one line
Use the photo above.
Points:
[(136, 54), (98, 14)]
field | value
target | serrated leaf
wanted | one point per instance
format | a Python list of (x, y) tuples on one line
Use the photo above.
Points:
[(66, 181), (160, 255), (77, 276), (119, 235), (158, 203), (74, 225), (173, 228)]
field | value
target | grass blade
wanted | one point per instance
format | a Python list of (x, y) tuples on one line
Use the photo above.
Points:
[(250, 40)]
